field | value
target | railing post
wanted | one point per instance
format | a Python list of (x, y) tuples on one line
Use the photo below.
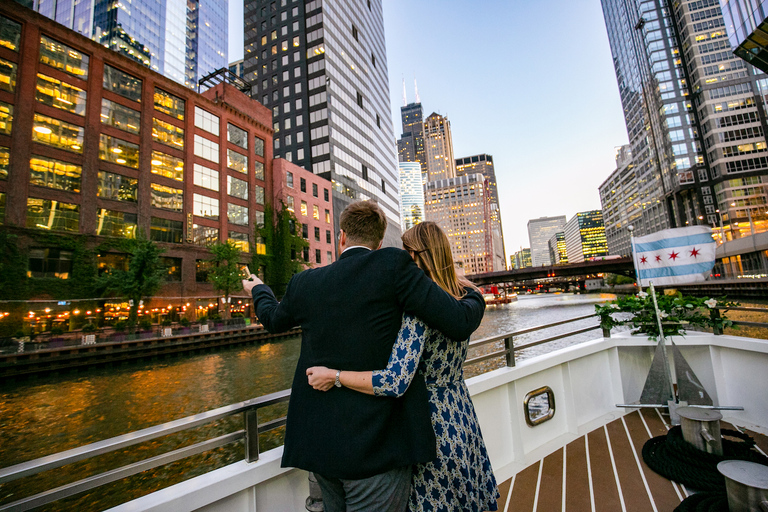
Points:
[(510, 347), (714, 314), (251, 435)]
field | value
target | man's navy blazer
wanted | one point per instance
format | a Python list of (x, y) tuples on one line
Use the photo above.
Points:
[(350, 314)]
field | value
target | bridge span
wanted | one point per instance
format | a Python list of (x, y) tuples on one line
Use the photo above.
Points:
[(621, 266)]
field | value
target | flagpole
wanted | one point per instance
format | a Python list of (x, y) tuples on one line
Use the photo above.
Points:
[(631, 229), (663, 343)]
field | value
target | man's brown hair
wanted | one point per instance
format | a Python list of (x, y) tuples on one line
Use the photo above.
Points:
[(365, 223)]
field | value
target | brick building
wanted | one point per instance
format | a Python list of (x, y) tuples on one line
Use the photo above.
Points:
[(97, 147)]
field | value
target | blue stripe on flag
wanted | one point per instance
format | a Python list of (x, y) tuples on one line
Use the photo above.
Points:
[(680, 270), (666, 243)]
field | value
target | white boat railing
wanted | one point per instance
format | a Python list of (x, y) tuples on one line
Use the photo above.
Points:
[(250, 434)]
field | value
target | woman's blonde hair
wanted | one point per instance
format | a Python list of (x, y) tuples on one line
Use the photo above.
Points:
[(432, 253)]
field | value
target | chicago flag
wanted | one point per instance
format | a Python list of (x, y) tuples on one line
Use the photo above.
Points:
[(674, 256)]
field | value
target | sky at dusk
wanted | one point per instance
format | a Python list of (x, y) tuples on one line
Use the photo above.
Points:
[(529, 82)]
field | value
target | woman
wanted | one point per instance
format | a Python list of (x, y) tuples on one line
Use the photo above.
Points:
[(461, 477)]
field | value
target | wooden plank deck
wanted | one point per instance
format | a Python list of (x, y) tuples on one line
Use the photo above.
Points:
[(601, 471)]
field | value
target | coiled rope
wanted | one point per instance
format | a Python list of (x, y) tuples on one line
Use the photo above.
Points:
[(674, 458)]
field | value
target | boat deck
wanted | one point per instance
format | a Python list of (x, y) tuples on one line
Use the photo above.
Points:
[(602, 471)]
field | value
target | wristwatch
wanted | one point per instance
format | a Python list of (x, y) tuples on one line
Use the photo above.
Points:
[(338, 382)]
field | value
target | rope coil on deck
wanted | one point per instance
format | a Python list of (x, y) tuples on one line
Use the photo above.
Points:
[(676, 459)]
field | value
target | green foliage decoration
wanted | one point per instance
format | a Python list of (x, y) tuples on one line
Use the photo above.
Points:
[(284, 246), (225, 275), (677, 313), (142, 279)]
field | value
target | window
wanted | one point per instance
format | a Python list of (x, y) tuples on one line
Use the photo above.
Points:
[(304, 208), (168, 166), (237, 161), (166, 230), (359, 100), (258, 146), (58, 94), (122, 83), (10, 34), (327, 216), (355, 33), (204, 235), (206, 121), (112, 149), (289, 179), (167, 133), (7, 75), (203, 267), (53, 215), (327, 236), (120, 117), (206, 177), (167, 198), (328, 257), (237, 188), (57, 134), (51, 262), (63, 57), (117, 187), (289, 203), (314, 189), (318, 259), (117, 224), (5, 157), (258, 194), (317, 234), (258, 170), (6, 118), (206, 148), (305, 231), (303, 185), (237, 136), (207, 207), (169, 104), (237, 214), (325, 194), (365, 173), (306, 254), (240, 240), (51, 173), (315, 212), (173, 266)]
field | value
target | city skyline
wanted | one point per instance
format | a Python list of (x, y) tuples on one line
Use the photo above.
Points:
[(567, 109)]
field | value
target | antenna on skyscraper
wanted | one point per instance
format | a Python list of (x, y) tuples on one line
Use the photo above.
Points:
[(405, 100), (416, 86)]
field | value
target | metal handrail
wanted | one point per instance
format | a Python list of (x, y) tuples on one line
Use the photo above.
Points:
[(252, 430)]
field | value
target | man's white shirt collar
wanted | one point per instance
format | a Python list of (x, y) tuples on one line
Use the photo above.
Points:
[(356, 247)]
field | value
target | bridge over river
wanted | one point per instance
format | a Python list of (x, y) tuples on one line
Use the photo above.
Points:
[(574, 271)]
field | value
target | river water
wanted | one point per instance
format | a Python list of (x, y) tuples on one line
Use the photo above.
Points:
[(46, 415)]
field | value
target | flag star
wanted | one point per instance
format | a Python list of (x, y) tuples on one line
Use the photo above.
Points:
[(658, 258), (695, 252), (643, 260), (674, 255)]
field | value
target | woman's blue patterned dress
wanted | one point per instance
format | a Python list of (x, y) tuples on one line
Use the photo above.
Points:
[(461, 477)]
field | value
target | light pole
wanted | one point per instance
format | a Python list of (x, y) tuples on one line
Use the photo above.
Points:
[(631, 228), (722, 232)]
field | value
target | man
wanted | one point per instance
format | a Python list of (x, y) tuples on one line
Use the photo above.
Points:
[(360, 447)]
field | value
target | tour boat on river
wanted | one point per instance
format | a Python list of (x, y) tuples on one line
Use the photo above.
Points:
[(559, 429)]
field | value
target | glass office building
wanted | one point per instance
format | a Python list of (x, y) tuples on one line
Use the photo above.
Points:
[(539, 232), (692, 110), (322, 69), (747, 29), (585, 236), (181, 39), (411, 195)]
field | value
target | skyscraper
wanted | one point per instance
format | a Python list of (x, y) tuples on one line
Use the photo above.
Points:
[(438, 149), (558, 253), (691, 109), (621, 208), (457, 206), (585, 236), (410, 145), (181, 39), (411, 195), (747, 29), (322, 69), (483, 164), (539, 232)]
